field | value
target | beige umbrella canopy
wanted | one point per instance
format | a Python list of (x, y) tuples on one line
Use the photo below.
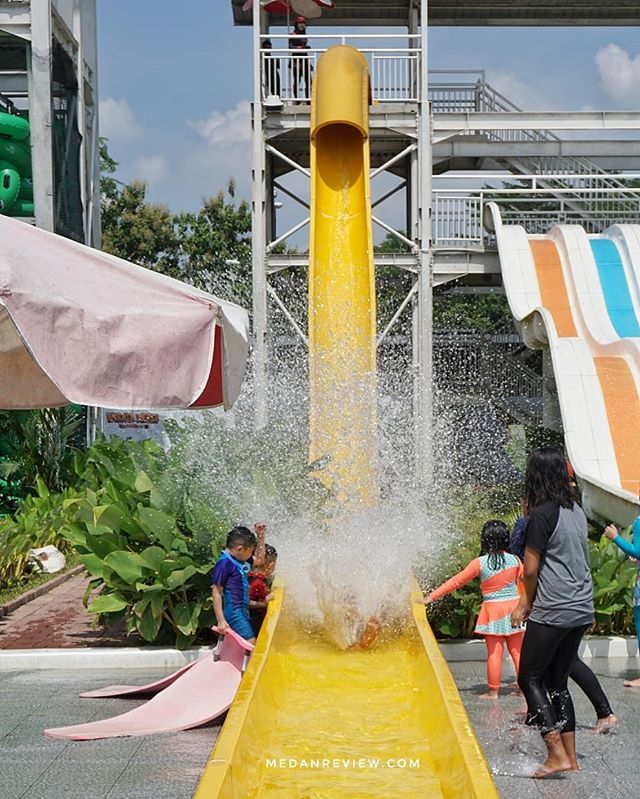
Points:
[(79, 325)]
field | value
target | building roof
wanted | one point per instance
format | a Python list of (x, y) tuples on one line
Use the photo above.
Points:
[(468, 12)]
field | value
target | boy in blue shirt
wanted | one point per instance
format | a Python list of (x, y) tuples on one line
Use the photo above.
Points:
[(230, 587)]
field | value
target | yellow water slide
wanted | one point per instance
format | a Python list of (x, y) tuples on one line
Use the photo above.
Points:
[(342, 313), (311, 721)]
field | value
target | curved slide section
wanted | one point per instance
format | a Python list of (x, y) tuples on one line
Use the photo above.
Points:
[(310, 719), (192, 696), (578, 296), (149, 689)]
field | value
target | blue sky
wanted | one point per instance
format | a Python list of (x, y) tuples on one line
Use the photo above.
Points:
[(174, 85)]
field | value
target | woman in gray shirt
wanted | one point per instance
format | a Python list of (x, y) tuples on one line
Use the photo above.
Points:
[(557, 604)]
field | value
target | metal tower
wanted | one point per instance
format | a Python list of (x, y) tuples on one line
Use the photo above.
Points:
[(400, 145), (48, 71), (421, 126)]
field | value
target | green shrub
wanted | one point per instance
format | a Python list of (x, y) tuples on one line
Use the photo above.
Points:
[(149, 524), (614, 576), (42, 519), (454, 616), (133, 539)]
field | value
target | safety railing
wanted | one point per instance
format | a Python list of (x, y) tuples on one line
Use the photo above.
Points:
[(457, 214), (287, 71), (476, 365)]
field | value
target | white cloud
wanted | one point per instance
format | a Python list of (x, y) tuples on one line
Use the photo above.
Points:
[(117, 120), (619, 73), (226, 128), (224, 151), (150, 168), (519, 93)]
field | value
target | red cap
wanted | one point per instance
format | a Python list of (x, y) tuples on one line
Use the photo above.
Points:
[(300, 19)]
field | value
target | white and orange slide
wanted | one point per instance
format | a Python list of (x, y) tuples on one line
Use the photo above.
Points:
[(194, 695), (579, 295)]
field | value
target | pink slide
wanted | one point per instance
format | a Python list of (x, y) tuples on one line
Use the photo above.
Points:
[(113, 691), (198, 693)]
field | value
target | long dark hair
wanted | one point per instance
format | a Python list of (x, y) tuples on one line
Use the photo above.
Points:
[(494, 542), (546, 479)]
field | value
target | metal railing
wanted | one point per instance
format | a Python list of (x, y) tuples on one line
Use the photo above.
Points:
[(394, 69), (479, 96), (483, 366), (458, 213)]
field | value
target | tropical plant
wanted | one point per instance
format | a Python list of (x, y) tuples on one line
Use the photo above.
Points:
[(42, 519), (38, 443), (128, 535), (149, 525), (614, 576)]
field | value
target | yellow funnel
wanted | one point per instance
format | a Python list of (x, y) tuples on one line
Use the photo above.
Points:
[(342, 314)]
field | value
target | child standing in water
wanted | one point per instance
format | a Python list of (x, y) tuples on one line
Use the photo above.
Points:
[(499, 572)]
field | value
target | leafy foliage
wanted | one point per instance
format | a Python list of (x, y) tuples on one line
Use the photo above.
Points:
[(614, 577), (128, 533), (37, 444), (42, 520), (149, 525)]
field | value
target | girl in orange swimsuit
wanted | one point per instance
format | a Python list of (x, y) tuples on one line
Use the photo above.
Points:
[(499, 572)]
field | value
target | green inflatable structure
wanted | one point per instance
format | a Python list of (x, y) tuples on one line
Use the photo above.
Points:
[(16, 184)]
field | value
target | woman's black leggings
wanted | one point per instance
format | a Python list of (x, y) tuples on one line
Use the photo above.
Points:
[(587, 681), (548, 654)]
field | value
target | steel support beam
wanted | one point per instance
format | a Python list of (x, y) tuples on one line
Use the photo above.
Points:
[(258, 249), (452, 124), (39, 57), (624, 151), (423, 309)]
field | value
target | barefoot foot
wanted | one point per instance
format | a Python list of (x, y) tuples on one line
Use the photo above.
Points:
[(632, 683), (550, 767), (605, 725), (492, 693)]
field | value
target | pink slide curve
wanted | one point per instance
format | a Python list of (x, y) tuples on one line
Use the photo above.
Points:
[(113, 691), (198, 694)]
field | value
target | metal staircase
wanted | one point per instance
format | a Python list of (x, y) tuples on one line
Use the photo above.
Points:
[(597, 197)]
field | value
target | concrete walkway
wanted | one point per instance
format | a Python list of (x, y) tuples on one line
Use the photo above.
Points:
[(35, 767), (169, 767)]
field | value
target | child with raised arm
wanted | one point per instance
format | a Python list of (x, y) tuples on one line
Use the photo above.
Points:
[(260, 585), (230, 586), (499, 572), (632, 549)]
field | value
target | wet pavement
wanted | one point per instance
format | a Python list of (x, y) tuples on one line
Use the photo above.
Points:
[(35, 767), (169, 766), (609, 763)]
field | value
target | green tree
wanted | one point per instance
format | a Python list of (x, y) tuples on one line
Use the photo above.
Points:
[(214, 246), (132, 227), (209, 248)]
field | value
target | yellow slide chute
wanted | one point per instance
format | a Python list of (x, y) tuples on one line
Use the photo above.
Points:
[(342, 316), (312, 721)]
